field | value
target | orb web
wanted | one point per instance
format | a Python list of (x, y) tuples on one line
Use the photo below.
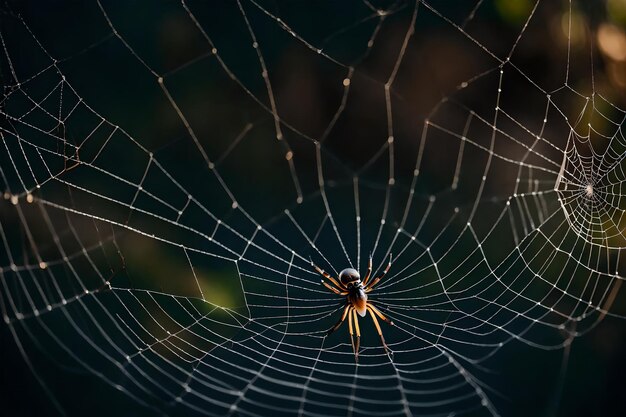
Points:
[(170, 174)]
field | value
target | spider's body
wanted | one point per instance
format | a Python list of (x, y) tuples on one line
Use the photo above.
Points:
[(349, 285), (357, 296)]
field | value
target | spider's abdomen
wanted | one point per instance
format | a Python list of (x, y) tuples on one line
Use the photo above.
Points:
[(349, 276), (358, 299)]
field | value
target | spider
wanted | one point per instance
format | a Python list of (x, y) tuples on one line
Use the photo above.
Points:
[(349, 285)]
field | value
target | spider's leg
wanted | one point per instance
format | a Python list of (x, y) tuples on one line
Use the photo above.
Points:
[(377, 279), (369, 271), (371, 286), (358, 335), (380, 315), (341, 320), (378, 329), (333, 289), (328, 277), (350, 326), (337, 283)]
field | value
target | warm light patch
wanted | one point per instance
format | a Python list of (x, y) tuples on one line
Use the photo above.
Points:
[(612, 42)]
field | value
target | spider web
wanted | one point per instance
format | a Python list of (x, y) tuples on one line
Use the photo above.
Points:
[(171, 172)]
